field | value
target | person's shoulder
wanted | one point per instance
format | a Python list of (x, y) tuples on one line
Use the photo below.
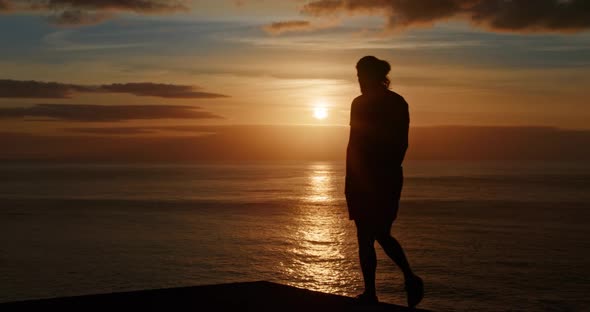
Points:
[(359, 99), (397, 99), (396, 96)]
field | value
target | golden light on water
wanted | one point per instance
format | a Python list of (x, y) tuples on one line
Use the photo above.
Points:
[(320, 186), (320, 235)]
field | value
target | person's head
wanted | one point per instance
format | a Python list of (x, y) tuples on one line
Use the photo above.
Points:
[(372, 74)]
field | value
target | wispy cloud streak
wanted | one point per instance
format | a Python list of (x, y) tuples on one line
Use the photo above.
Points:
[(56, 90), (88, 12), (104, 113)]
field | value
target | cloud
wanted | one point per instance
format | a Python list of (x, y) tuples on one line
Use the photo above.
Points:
[(56, 90), (140, 6), (87, 12), (497, 15), (111, 130), (142, 130), (35, 89), (160, 90), (277, 28), (4, 6), (105, 113), (79, 18), (288, 26)]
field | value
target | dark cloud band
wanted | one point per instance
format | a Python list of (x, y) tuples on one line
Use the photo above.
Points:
[(159, 90), (287, 26), (497, 15), (129, 130), (4, 5), (105, 113), (55, 90), (85, 12)]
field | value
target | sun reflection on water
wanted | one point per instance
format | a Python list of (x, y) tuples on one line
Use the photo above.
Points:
[(320, 184), (320, 236)]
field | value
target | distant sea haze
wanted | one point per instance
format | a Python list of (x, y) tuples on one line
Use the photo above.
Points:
[(191, 144), (484, 235)]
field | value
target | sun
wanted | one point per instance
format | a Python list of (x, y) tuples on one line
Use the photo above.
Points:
[(320, 112)]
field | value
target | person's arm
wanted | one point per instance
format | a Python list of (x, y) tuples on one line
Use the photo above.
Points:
[(404, 129), (352, 146), (396, 133)]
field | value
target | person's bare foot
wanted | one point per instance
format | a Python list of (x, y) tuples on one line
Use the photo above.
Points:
[(367, 299), (415, 291)]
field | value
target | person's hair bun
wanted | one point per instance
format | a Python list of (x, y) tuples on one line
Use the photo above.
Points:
[(384, 67), (374, 69)]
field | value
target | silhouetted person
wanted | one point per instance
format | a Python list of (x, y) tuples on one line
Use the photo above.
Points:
[(379, 123)]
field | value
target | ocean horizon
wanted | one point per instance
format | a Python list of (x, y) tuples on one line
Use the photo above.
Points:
[(485, 236)]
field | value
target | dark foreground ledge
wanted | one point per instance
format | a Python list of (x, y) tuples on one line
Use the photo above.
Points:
[(250, 296)]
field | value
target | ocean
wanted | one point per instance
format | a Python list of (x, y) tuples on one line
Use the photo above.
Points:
[(484, 236)]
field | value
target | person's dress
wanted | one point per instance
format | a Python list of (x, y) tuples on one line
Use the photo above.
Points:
[(376, 149)]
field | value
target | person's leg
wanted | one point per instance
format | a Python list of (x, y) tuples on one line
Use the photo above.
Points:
[(394, 250), (414, 284), (367, 256)]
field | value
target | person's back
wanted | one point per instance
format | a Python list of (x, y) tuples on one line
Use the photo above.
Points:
[(379, 122), (378, 141)]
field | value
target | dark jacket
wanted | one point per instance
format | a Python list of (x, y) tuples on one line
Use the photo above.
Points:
[(379, 125)]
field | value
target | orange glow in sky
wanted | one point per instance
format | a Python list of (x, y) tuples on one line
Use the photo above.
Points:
[(178, 70)]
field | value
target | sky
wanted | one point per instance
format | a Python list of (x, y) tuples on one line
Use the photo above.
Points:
[(138, 70)]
